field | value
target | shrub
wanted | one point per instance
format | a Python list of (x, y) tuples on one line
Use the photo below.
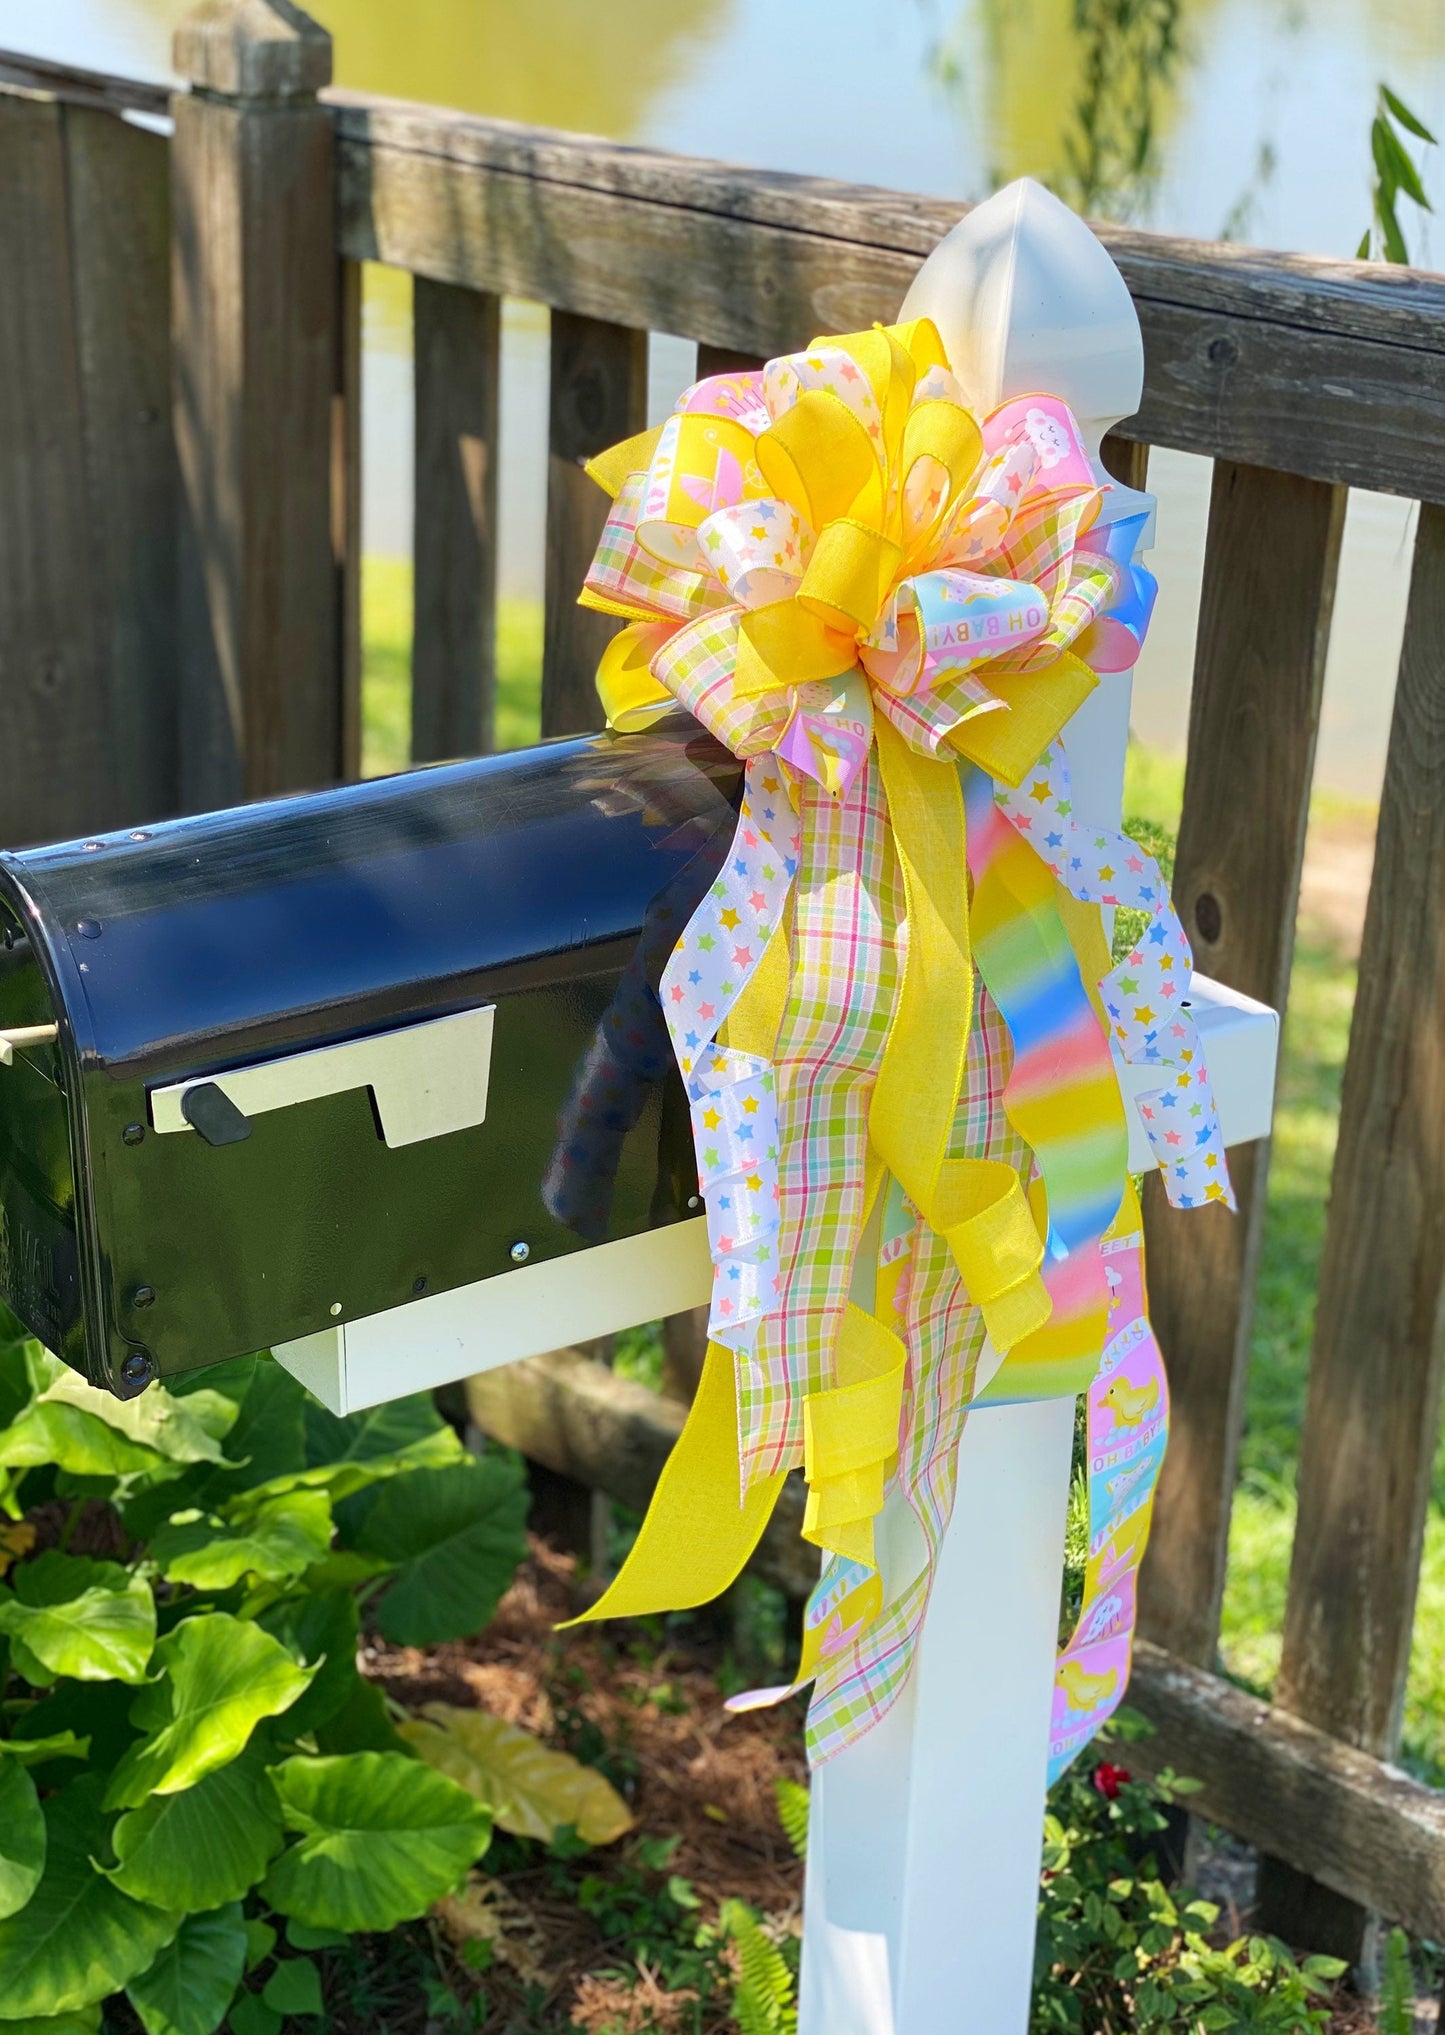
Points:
[(190, 1762), (1121, 1953)]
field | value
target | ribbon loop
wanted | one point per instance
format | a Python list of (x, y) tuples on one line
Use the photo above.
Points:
[(897, 983)]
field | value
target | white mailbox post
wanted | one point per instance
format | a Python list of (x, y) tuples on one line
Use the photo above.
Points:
[(925, 1839)]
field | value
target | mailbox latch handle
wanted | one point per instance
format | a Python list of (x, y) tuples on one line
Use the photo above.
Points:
[(209, 1110), (426, 1080)]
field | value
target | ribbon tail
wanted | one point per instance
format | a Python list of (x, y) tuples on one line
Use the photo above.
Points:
[(696, 1537)]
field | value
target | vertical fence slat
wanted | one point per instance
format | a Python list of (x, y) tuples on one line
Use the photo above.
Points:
[(346, 508), (120, 253), (723, 360), (87, 494), (598, 396), (1373, 1410), (1269, 579), (255, 286), (454, 671)]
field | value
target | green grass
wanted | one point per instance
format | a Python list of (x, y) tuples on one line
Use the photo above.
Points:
[(1315, 1037), (386, 620)]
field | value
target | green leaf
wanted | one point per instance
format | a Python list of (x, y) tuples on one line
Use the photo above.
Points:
[(205, 1846), (193, 1981), (381, 1837), (1393, 162), (97, 1711), (1395, 248), (279, 1542), (530, 1789), (458, 1534), (294, 1987), (302, 1937), (93, 1621), (363, 1724), (350, 1455), (390, 1429), (1408, 120), (320, 1629), (220, 1677), (22, 1838), (28, 1752), (1362, 252), (251, 2016), (78, 1938), (260, 1942), (155, 1420), (72, 1439), (268, 1440), (84, 2021), (230, 1381)]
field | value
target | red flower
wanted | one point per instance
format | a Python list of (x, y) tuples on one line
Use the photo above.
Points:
[(1109, 1779)]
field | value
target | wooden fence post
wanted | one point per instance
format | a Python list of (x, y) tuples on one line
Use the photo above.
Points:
[(256, 303), (87, 476), (1269, 581), (1373, 1410), (598, 396)]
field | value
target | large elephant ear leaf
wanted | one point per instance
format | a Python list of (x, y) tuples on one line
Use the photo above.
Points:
[(74, 1439), (204, 1847), (278, 1543), (157, 1420), (380, 1838), (78, 1938), (194, 1979), (91, 1620), (320, 1629), (84, 2021), (22, 1837), (220, 1677), (408, 1428), (456, 1536), (532, 1790)]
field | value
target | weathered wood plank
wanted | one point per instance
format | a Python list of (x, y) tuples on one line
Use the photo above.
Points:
[(454, 673), (346, 509), (1358, 1825), (119, 200), (255, 290), (1269, 577), (583, 1422), (1127, 459), (1373, 1409), (86, 474), (1329, 369), (73, 85), (598, 396)]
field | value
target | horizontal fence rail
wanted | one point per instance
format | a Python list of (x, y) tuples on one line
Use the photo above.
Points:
[(1299, 377)]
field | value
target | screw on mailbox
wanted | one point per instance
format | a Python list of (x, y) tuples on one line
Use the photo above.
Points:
[(520, 1253)]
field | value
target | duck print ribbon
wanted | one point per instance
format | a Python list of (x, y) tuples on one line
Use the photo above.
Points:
[(888, 608)]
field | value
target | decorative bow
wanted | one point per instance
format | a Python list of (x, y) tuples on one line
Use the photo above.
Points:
[(884, 607)]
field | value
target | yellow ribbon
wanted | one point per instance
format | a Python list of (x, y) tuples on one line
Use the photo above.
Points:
[(876, 497)]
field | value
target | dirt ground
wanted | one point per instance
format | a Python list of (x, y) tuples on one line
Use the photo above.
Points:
[(687, 1768)]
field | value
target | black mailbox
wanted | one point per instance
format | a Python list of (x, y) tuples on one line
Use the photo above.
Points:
[(307, 1060)]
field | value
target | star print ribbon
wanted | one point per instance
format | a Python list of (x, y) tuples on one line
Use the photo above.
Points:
[(853, 583)]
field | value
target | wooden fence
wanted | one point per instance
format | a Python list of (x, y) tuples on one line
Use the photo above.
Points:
[(179, 625)]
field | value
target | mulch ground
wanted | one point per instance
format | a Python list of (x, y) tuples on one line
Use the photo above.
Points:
[(648, 1710), (650, 1714)]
